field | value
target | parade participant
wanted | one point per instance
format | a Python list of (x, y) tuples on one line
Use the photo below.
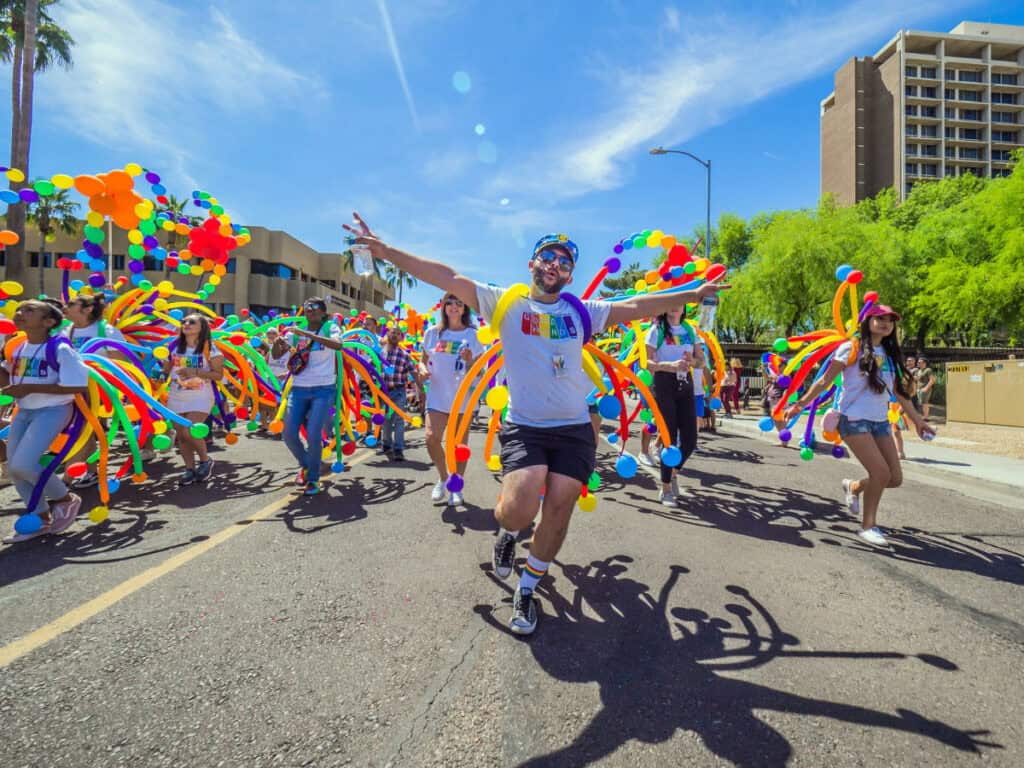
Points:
[(449, 349), (730, 387), (925, 384), (398, 367), (193, 367), (869, 382), (85, 314), (548, 445), (276, 351), (370, 324), (43, 376), (674, 360), (314, 370)]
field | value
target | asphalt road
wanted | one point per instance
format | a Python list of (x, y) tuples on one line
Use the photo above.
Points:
[(242, 625)]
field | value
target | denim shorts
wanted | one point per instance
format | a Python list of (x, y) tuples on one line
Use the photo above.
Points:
[(864, 427)]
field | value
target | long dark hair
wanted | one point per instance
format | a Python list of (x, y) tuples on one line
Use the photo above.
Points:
[(467, 313), (666, 326), (202, 343), (868, 363), (95, 305)]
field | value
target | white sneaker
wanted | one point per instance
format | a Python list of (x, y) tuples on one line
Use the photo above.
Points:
[(852, 499), (675, 487), (456, 499), (147, 454), (646, 460), (439, 494), (873, 536), (64, 514), (667, 500)]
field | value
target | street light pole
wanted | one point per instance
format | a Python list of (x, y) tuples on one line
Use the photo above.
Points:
[(707, 168)]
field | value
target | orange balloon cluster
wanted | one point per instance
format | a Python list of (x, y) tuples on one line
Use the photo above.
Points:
[(113, 194)]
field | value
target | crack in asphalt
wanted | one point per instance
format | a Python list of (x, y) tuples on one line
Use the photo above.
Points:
[(421, 719)]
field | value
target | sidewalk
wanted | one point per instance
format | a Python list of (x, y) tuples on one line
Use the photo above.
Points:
[(991, 478)]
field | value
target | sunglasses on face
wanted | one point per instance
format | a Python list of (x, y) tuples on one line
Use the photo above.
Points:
[(456, 302), (565, 263), (311, 307), (190, 322)]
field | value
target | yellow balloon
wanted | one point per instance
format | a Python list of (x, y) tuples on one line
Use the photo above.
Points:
[(133, 169), (587, 503), (641, 285), (485, 335), (196, 270), (165, 287), (701, 264), (167, 226), (144, 209), (417, 422), (494, 463), (497, 398), (98, 514), (225, 218), (160, 427), (160, 305), (213, 279), (15, 175), (653, 242), (62, 181), (8, 309), (11, 288), (94, 219), (135, 237)]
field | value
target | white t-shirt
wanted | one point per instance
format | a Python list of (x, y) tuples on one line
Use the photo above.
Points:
[(698, 382), (443, 358), (673, 346), (858, 401), (543, 352), (191, 395), (278, 365), (322, 370), (79, 336), (29, 366)]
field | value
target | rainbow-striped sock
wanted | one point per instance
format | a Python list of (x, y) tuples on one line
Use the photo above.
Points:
[(533, 572)]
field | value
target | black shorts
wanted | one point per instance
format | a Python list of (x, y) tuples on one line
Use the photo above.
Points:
[(570, 450)]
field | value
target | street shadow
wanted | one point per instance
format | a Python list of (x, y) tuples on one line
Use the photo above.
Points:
[(342, 501), (923, 460), (965, 553), (659, 669), (468, 517)]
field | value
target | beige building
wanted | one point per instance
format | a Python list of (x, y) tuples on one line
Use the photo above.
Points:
[(273, 271), (928, 105)]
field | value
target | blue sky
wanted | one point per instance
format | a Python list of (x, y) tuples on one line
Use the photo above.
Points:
[(294, 113)]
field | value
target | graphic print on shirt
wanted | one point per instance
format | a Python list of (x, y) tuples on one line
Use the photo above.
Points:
[(187, 361), (30, 368), (447, 347), (545, 326)]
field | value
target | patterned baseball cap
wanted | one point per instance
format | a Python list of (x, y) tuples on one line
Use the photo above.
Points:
[(561, 240)]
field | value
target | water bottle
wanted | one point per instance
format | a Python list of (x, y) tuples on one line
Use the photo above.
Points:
[(460, 364), (708, 310), (362, 259)]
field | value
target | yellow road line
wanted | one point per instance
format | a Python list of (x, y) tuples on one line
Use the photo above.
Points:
[(40, 637)]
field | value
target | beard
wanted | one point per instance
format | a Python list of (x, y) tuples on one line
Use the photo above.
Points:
[(546, 285)]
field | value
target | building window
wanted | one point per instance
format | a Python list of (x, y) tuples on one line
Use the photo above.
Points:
[(1004, 98), (969, 153), (910, 90), (949, 93), (970, 114), (970, 95), (1008, 137), (967, 76), (951, 74), (911, 169), (930, 131), (1003, 117), (928, 72), (910, 71), (1001, 154), (929, 112), (929, 169), (950, 171), (33, 258), (971, 134), (950, 133), (118, 261), (1003, 79), (911, 130), (330, 283), (911, 150), (227, 309), (3, 259), (912, 109), (950, 113), (928, 92), (232, 265), (930, 150)]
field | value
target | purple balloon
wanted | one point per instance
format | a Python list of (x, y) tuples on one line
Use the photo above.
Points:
[(785, 435), (378, 418), (455, 483), (838, 451), (153, 178), (94, 250), (97, 279), (136, 266), (614, 264), (784, 381), (618, 248), (147, 309), (149, 242), (28, 195)]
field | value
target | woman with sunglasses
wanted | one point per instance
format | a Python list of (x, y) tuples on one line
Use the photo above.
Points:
[(45, 395), (449, 349), (194, 367), (313, 366)]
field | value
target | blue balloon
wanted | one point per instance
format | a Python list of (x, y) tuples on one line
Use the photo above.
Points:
[(10, 197), (626, 467), (766, 424), (28, 524), (613, 438), (177, 314), (627, 244), (677, 271), (716, 404), (76, 285), (609, 407), (838, 452), (843, 271), (337, 467), (671, 456), (113, 485), (371, 441)]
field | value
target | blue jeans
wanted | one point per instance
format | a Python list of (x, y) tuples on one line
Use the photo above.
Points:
[(392, 435), (863, 427), (309, 406), (30, 436)]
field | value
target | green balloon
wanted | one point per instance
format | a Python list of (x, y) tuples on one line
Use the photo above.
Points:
[(646, 233), (646, 378), (94, 234), (216, 210), (594, 482), (147, 227), (689, 268), (199, 431), (146, 285), (184, 268), (252, 426), (806, 454), (353, 313), (163, 442), (136, 251), (646, 416), (44, 188), (639, 242), (780, 345), (6, 399), (231, 320)]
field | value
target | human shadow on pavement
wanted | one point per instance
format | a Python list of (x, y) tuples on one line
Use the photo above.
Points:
[(230, 480), (468, 517), (342, 501), (912, 545), (659, 670), (923, 460)]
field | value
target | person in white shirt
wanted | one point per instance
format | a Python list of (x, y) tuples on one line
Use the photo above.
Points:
[(43, 376), (194, 367), (547, 440), (876, 377), (276, 350), (449, 349)]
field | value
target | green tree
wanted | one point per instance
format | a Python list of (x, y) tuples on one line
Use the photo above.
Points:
[(50, 214), (32, 42), (398, 279), (625, 280)]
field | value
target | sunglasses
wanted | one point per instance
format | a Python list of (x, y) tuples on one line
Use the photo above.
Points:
[(456, 302), (312, 307), (565, 262), (190, 321)]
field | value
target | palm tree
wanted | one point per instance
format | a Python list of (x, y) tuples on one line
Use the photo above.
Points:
[(177, 207), (32, 42), (57, 211), (349, 262), (396, 278)]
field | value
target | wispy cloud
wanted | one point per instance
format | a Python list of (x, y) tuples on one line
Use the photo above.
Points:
[(672, 18), (396, 57), (694, 84), (149, 81), (771, 155)]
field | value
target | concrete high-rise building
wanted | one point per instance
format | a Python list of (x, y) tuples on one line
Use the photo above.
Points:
[(928, 105), (273, 271)]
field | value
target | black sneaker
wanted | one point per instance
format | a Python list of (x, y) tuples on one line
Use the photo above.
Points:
[(203, 470), (187, 477), (524, 613), (383, 450), (398, 456), (504, 555)]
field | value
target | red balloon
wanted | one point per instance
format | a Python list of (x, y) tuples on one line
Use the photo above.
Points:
[(871, 296), (678, 255), (347, 449), (242, 412), (855, 277), (714, 272), (7, 328), (78, 469), (462, 452)]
